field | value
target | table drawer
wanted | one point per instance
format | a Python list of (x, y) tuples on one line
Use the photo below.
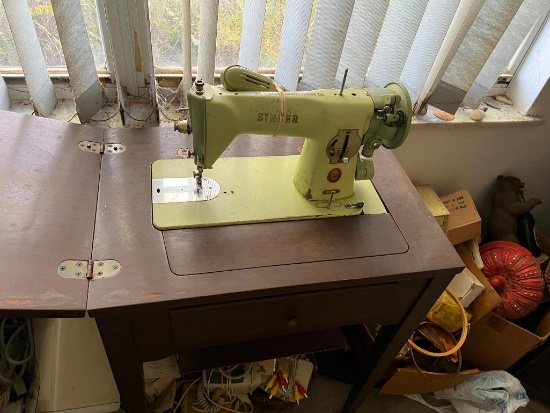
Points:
[(383, 304), (242, 320), (209, 325)]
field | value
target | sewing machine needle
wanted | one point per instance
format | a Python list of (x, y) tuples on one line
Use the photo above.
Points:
[(198, 179)]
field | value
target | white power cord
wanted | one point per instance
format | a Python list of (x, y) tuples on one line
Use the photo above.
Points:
[(184, 394), (16, 351), (204, 403)]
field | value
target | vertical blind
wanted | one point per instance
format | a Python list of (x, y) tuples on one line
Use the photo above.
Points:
[(30, 55), (293, 42), (325, 49), (504, 51), (394, 42), (87, 91), (208, 33), (364, 27), (427, 43), (187, 78), (4, 95), (487, 29), (445, 51), (251, 39)]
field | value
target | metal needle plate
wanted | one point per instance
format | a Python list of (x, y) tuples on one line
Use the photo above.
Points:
[(169, 190)]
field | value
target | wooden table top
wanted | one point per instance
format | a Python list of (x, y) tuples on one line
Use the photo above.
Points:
[(48, 200), (310, 255), (49, 197)]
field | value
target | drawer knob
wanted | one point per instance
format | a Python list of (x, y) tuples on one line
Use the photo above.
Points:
[(292, 320)]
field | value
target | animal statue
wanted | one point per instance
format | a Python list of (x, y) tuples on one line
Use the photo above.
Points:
[(505, 209)]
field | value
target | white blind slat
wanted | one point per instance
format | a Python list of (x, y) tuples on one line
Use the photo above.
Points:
[(293, 41), (122, 51), (30, 55), (396, 38), (103, 31), (426, 45), (207, 46), (138, 11), (487, 29), (5, 101), (512, 38), (364, 27), (187, 76), (327, 41), (251, 37), (78, 55), (465, 15)]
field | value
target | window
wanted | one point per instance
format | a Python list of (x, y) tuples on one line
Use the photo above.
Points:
[(8, 54), (445, 51), (166, 19)]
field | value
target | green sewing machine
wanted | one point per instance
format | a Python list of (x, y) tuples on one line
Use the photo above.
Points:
[(330, 177)]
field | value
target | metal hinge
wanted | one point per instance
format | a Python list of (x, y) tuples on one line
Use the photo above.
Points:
[(88, 269), (100, 147)]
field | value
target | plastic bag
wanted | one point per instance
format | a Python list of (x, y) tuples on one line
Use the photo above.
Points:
[(440, 409), (489, 392)]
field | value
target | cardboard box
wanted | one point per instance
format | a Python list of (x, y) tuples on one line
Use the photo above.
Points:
[(466, 287), (473, 246), (434, 204), (464, 221), (495, 343), (408, 380), (489, 298)]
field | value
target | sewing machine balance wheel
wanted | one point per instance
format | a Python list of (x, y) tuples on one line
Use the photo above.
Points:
[(404, 108)]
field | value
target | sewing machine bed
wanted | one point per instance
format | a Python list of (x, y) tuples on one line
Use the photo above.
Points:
[(251, 189)]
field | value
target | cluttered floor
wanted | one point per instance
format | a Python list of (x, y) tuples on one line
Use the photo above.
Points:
[(494, 392), (328, 396)]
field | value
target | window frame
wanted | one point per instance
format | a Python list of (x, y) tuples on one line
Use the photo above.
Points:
[(522, 67)]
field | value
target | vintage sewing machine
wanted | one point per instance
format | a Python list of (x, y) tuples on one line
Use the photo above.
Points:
[(330, 177)]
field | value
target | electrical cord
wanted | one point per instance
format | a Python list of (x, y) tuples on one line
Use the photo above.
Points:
[(5, 390), (185, 394), (16, 351), (205, 404), (225, 373), (292, 373)]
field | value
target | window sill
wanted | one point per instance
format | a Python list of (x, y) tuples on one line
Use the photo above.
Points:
[(506, 116)]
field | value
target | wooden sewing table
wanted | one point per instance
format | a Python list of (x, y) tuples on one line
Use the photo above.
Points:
[(213, 296)]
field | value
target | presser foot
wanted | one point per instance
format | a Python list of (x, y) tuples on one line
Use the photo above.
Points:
[(198, 179)]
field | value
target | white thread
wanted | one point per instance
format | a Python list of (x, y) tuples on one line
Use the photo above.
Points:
[(282, 109)]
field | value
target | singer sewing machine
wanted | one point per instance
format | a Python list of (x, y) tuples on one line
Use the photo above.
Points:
[(330, 177)]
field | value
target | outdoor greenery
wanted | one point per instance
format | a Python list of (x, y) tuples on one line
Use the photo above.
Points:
[(46, 29), (167, 26), (166, 33), (8, 54)]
